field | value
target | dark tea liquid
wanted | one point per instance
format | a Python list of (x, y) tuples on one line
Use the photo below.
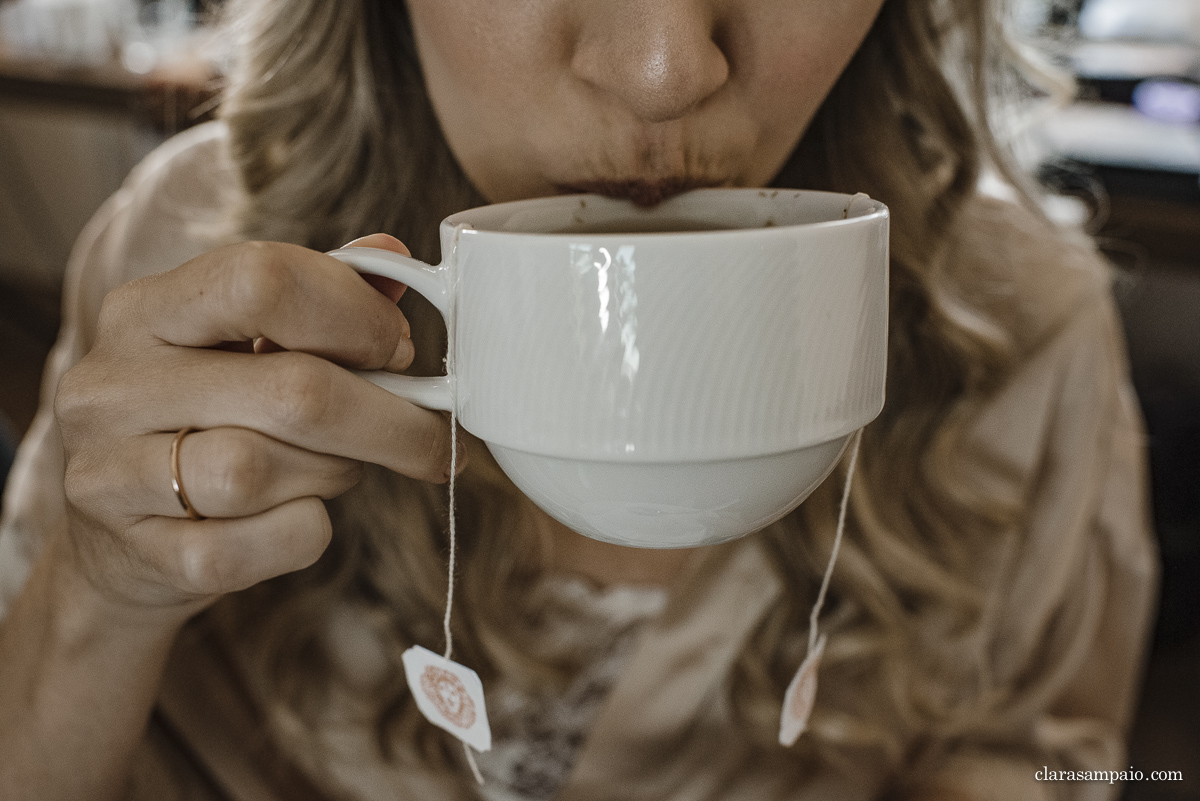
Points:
[(644, 226)]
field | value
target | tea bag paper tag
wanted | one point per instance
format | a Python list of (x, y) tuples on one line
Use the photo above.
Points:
[(449, 695), (799, 698)]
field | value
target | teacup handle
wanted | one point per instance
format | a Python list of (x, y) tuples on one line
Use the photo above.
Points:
[(431, 282)]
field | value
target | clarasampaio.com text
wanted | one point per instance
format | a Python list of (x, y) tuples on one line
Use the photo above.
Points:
[(1110, 776)]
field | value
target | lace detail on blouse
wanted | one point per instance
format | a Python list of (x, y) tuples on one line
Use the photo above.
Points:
[(537, 735)]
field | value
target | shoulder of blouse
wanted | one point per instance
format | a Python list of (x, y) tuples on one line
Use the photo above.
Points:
[(176, 204)]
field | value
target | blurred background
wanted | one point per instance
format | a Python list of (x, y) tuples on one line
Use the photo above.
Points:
[(88, 87)]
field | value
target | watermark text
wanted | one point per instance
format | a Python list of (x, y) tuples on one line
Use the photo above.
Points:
[(1045, 774)]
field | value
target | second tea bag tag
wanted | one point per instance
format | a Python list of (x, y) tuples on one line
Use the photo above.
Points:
[(449, 695), (801, 693), (802, 690)]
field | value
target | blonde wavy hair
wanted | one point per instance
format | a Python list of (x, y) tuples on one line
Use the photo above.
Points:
[(329, 96)]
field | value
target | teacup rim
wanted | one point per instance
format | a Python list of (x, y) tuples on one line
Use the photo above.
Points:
[(461, 219)]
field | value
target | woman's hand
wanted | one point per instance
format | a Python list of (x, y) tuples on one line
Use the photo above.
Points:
[(276, 430)]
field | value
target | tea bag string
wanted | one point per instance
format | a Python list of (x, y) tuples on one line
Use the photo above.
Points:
[(450, 579), (837, 543), (453, 535), (452, 374), (450, 371)]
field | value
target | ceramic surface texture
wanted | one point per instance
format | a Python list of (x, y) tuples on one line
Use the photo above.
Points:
[(631, 383)]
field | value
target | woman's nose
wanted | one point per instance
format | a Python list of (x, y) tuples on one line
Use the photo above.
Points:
[(657, 57)]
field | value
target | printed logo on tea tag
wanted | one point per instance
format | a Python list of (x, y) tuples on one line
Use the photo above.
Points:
[(449, 695), (799, 698)]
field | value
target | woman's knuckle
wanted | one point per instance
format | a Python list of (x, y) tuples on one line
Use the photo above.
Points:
[(203, 568), (299, 391), (260, 280), (87, 401), (79, 483), (71, 400), (237, 471), (116, 309)]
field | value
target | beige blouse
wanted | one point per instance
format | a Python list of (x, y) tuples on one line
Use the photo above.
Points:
[(1064, 431)]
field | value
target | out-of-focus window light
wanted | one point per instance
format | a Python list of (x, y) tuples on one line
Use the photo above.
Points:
[(1160, 20), (1169, 101), (142, 33), (77, 32), (139, 57)]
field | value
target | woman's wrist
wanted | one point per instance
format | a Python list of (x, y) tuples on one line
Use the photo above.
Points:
[(74, 661), (83, 609)]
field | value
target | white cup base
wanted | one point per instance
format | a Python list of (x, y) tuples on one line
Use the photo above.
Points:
[(670, 505)]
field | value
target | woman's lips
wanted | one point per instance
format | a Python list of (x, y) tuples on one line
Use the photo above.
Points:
[(640, 191)]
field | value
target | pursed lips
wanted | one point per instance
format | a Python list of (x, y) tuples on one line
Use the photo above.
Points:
[(641, 191)]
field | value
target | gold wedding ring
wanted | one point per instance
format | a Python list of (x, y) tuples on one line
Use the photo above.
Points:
[(176, 478)]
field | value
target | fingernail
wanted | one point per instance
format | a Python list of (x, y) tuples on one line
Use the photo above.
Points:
[(403, 355), (384, 241)]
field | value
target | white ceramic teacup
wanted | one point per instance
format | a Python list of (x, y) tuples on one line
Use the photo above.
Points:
[(647, 381)]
